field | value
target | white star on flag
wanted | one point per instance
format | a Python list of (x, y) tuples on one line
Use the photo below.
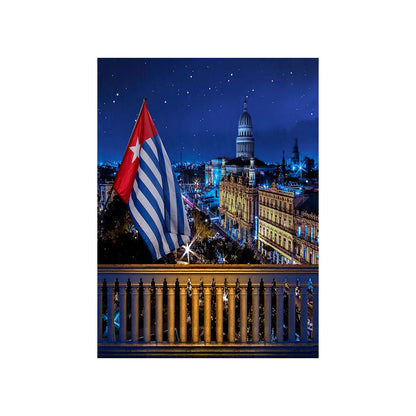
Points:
[(135, 149)]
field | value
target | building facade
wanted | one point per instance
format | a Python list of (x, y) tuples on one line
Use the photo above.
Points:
[(288, 235), (306, 221), (276, 225), (213, 172), (239, 207), (105, 180)]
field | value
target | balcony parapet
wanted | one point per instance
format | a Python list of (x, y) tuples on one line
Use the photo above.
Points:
[(236, 292)]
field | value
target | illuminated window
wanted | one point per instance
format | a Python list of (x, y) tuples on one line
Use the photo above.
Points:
[(299, 230), (304, 253), (306, 231), (311, 234)]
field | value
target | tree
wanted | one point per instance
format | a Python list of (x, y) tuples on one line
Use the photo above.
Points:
[(118, 241), (202, 225)]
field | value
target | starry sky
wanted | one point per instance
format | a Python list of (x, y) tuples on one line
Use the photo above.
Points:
[(196, 103)]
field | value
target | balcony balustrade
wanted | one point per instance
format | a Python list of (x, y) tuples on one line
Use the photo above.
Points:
[(277, 224), (301, 239), (276, 207), (275, 244), (206, 311)]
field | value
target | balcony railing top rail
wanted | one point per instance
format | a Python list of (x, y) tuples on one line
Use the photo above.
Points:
[(206, 273)]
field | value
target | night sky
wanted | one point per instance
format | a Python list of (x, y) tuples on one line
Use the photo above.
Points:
[(196, 104)]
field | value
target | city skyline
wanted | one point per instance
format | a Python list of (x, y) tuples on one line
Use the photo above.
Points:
[(196, 103)]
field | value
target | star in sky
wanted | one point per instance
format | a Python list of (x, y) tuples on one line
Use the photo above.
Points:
[(180, 90)]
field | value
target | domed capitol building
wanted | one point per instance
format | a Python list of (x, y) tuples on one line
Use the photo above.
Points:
[(240, 165), (237, 179)]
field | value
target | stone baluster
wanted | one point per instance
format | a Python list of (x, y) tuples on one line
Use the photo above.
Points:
[(304, 322), (122, 311), (171, 314), (100, 313), (279, 307), (159, 313), (182, 313), (292, 313), (146, 312), (110, 312), (195, 314), (267, 313), (315, 314), (231, 315), (207, 314), (256, 305), (243, 314), (218, 315), (135, 313)]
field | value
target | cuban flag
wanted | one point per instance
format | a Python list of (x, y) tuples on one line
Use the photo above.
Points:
[(146, 183)]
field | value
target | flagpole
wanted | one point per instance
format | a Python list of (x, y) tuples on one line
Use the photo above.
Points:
[(112, 186)]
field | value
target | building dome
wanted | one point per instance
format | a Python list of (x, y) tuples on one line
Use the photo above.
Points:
[(245, 140), (245, 118)]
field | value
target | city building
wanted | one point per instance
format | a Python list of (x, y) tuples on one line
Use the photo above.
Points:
[(105, 179), (238, 206), (295, 159), (275, 237), (306, 224), (213, 172), (288, 226)]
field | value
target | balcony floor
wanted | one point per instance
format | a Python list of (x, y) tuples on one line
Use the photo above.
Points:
[(201, 350)]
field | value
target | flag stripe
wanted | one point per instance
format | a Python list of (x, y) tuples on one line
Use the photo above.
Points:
[(152, 220), (144, 167), (176, 214), (151, 144), (170, 206), (157, 194), (150, 204), (147, 156), (181, 225), (144, 230)]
